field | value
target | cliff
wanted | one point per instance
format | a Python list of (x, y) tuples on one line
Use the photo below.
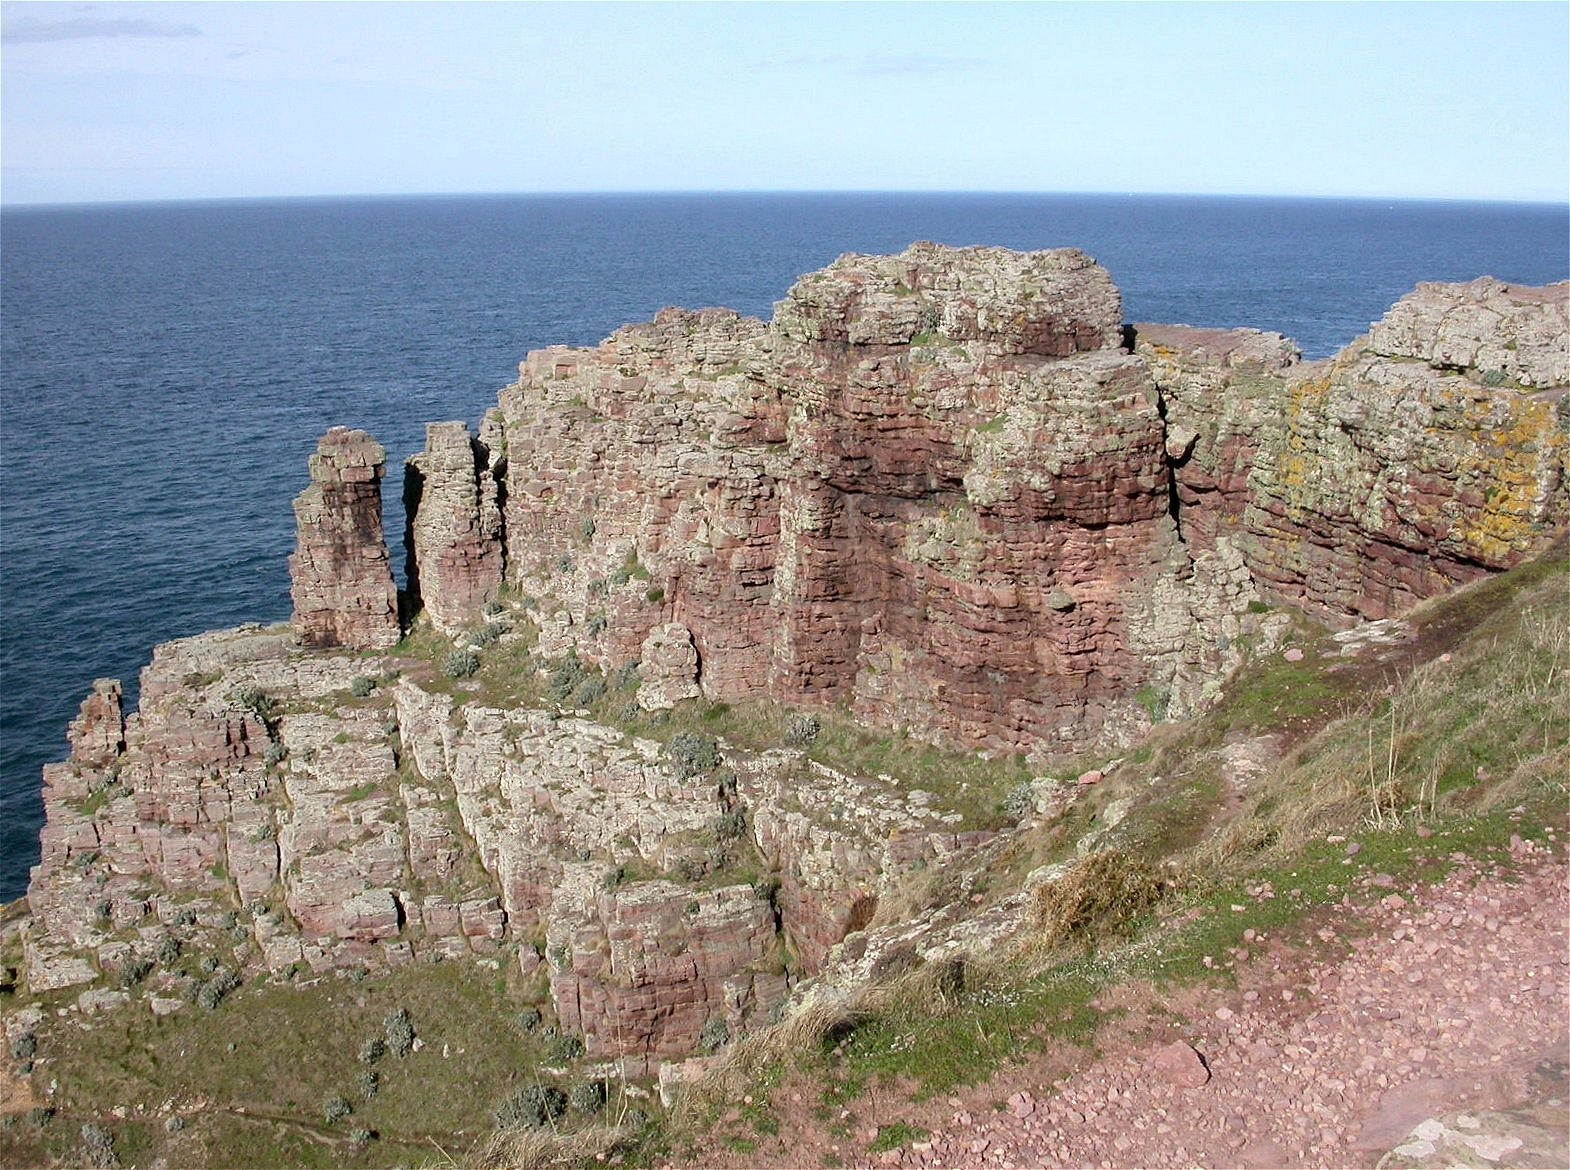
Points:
[(949, 492)]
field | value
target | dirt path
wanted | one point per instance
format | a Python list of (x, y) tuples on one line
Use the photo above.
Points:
[(1449, 1015), (1453, 1003)]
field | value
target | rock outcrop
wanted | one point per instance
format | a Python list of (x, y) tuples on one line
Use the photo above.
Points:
[(947, 490), (454, 526), (343, 586)]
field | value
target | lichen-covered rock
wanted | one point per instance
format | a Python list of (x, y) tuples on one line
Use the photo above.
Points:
[(667, 668), (342, 579), (454, 526), (1494, 332)]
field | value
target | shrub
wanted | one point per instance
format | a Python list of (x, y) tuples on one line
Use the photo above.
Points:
[(487, 635), (460, 663), (400, 1033), (174, 1124), (335, 1109), (360, 686), (169, 951), (23, 1049), (801, 729), (627, 677), (360, 1136), (255, 700), (1020, 801), (565, 1048), (275, 755), (566, 677), (596, 624), (531, 1107), (370, 1084), (587, 1097), (729, 826), (134, 971), (98, 1146), (528, 1019), (714, 1036), (373, 1050), (694, 754), (211, 993)]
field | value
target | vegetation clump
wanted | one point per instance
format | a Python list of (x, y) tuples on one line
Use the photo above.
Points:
[(694, 754), (399, 1029), (531, 1107)]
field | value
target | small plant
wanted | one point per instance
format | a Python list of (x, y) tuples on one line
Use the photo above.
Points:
[(729, 826), (531, 1107), (210, 994), (896, 1136), (373, 1050), (276, 754), (335, 1109), (586, 1097), (801, 729), (370, 1084), (23, 1049), (694, 754), (564, 563), (460, 663), (174, 1124), (400, 1033), (586, 529), (613, 877), (1020, 802), (134, 971), (566, 677), (169, 951), (592, 691), (565, 1048), (361, 687), (487, 635), (714, 1035), (98, 1146), (528, 1019), (255, 700), (627, 677), (597, 624), (360, 1136)]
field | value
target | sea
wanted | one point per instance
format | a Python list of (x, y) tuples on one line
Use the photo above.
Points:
[(166, 369)]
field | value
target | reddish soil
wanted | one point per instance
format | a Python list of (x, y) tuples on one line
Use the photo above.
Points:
[(1433, 1001)]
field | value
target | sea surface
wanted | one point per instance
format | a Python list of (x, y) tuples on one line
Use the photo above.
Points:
[(166, 369)]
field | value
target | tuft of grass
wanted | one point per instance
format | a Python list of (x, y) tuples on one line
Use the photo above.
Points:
[(1101, 897)]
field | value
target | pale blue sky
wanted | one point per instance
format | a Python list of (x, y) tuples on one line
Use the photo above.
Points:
[(106, 101)]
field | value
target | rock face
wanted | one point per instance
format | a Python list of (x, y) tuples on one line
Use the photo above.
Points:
[(454, 526), (938, 490), (947, 490), (343, 587)]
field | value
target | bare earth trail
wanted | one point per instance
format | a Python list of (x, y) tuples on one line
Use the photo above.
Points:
[(1446, 1014)]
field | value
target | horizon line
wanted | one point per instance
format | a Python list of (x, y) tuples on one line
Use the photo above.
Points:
[(158, 201)]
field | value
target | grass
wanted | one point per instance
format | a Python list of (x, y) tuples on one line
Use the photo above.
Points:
[(250, 1077)]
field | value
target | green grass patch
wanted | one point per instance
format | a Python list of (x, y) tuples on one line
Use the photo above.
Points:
[(897, 1136)]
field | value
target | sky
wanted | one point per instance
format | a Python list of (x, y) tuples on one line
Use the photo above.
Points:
[(134, 101)]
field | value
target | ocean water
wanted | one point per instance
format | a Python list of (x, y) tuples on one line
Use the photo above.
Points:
[(165, 370)]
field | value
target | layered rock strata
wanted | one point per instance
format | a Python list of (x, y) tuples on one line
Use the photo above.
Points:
[(948, 490), (454, 526), (342, 577)]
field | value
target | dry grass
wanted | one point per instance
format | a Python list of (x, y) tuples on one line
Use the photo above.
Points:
[(1101, 896), (540, 1149)]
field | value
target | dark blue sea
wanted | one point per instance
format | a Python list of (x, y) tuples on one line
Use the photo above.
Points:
[(165, 370)]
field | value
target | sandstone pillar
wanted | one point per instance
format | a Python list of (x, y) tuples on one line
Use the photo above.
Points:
[(454, 534), (342, 580)]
